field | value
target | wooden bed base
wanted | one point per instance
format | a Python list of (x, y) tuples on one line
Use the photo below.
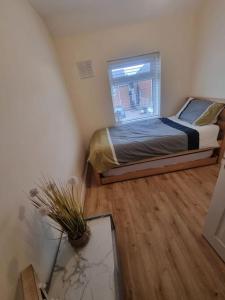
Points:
[(216, 158), (156, 171)]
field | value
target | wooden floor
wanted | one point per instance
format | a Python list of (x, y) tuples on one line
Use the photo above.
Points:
[(159, 222)]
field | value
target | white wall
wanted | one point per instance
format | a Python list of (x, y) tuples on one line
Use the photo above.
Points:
[(209, 71), (173, 36), (38, 135)]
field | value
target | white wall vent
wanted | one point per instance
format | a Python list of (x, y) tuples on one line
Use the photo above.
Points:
[(85, 69)]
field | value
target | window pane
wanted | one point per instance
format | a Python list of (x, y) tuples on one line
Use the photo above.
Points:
[(135, 87)]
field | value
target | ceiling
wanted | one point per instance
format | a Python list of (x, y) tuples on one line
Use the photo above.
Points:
[(68, 17)]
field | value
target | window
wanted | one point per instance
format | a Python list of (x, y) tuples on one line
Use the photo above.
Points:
[(135, 87)]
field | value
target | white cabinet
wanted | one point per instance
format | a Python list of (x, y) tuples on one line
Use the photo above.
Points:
[(214, 229)]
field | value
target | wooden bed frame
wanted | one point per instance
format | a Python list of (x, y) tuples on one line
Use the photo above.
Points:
[(218, 154)]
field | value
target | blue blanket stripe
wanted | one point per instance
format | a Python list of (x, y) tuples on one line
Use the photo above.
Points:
[(192, 134)]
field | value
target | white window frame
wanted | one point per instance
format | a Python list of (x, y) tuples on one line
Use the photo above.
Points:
[(140, 59)]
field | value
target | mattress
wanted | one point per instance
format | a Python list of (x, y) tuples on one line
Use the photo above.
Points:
[(158, 163), (208, 134)]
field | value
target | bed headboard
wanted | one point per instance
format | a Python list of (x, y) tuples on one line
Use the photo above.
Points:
[(222, 116), (221, 123)]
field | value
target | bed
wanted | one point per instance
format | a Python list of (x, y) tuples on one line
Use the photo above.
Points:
[(194, 137)]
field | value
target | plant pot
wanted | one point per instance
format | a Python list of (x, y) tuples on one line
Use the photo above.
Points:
[(82, 241)]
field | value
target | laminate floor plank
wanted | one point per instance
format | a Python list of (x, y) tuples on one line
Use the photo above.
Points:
[(159, 222)]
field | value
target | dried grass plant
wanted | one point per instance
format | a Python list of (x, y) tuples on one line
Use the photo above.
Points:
[(61, 202)]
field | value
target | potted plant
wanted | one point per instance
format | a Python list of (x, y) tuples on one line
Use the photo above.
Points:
[(61, 202)]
